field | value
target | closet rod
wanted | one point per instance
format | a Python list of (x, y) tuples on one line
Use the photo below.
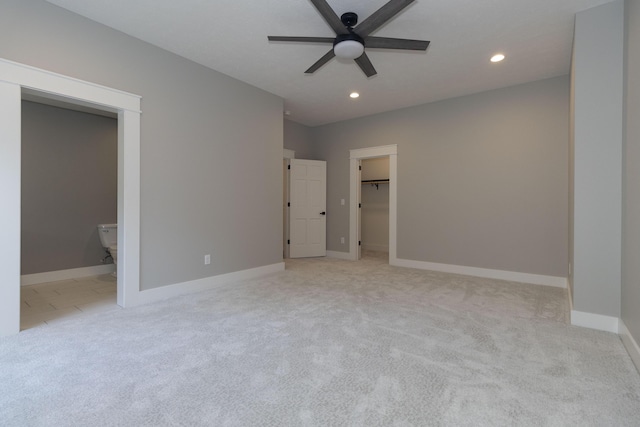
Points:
[(375, 182)]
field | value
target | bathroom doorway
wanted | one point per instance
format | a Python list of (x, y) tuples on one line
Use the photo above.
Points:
[(17, 79), (69, 185)]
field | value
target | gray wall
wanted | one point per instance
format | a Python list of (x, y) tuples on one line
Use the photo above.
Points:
[(69, 185), (299, 138), (598, 115), (631, 177), (377, 168), (210, 184), (482, 179)]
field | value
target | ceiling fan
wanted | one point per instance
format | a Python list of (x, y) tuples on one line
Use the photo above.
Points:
[(350, 42)]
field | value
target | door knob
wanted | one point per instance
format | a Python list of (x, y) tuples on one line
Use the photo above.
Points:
[(323, 213)]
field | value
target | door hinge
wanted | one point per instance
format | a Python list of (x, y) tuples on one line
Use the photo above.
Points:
[(359, 243), (359, 205), (288, 204), (288, 242), (359, 167), (289, 167)]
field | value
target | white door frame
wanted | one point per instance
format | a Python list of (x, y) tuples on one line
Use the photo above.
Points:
[(354, 160), (15, 77), (287, 156)]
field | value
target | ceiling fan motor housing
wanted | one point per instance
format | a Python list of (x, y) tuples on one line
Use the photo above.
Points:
[(348, 37), (349, 19)]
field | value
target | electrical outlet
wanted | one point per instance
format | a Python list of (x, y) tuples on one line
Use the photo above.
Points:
[(207, 259), (342, 203), (342, 240)]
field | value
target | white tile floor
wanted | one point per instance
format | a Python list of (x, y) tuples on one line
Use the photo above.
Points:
[(46, 303)]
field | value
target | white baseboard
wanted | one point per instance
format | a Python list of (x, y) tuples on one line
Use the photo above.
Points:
[(570, 299), (207, 283), (512, 276), (375, 247), (595, 321), (570, 295), (630, 344), (339, 255), (74, 273)]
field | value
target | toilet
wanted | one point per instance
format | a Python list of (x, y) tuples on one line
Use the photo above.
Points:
[(109, 238)]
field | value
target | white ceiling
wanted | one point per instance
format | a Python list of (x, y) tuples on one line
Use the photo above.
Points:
[(230, 36)]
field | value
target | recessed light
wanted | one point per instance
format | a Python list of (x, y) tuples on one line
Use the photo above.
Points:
[(497, 58), (354, 95)]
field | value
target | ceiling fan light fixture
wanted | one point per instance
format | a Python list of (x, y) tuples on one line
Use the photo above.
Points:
[(348, 49), (348, 46), (497, 57)]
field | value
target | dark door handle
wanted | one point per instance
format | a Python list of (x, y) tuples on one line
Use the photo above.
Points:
[(323, 213)]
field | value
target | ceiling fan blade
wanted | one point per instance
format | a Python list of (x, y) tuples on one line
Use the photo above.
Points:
[(301, 39), (365, 65), (320, 62), (330, 16), (381, 16), (390, 43)]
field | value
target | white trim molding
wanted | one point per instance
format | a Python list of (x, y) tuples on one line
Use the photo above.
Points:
[(128, 207), (569, 295), (73, 273), (511, 276), (207, 283), (375, 247), (10, 152), (630, 344), (595, 321), (339, 255), (288, 154), (16, 78), (59, 86), (372, 152)]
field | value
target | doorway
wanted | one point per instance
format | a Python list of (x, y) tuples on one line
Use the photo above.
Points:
[(16, 80), (304, 207), (69, 186), (374, 206), (307, 208), (355, 159)]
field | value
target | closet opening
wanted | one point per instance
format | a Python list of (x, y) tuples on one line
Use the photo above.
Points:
[(386, 155), (374, 207)]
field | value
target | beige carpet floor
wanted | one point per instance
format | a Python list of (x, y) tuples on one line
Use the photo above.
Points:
[(325, 343)]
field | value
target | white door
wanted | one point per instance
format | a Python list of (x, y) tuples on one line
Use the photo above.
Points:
[(359, 195), (285, 208), (307, 213)]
